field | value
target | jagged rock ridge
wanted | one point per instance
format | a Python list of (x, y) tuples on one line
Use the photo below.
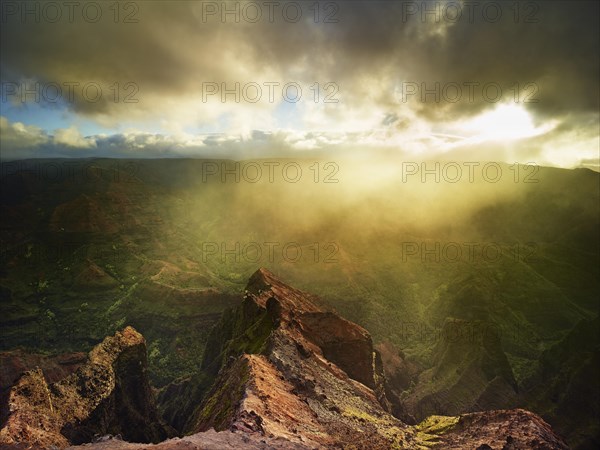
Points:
[(291, 369), (288, 374), (110, 393)]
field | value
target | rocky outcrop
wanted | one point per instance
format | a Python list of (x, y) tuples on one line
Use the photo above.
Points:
[(290, 369), (288, 374), (31, 416), (514, 429), (110, 393), (493, 430), (209, 440)]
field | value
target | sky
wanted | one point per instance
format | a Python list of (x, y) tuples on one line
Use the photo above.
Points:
[(475, 80)]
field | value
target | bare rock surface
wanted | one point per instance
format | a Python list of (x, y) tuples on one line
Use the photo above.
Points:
[(110, 393), (288, 374)]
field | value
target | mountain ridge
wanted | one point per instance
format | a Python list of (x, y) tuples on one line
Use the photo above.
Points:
[(282, 392), (62, 291)]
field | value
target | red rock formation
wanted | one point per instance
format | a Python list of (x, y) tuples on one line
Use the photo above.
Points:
[(110, 393), (313, 381), (290, 375), (514, 429)]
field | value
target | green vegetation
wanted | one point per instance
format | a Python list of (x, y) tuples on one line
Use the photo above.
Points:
[(429, 430), (80, 260), (220, 405)]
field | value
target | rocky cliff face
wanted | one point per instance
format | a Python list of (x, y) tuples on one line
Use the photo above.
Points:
[(280, 372), (514, 429), (110, 393), (289, 369)]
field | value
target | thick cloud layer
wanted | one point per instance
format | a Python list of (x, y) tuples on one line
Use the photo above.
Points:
[(160, 63)]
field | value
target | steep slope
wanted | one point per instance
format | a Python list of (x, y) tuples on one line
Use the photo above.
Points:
[(289, 369), (209, 440), (95, 247), (470, 373), (496, 430), (290, 375), (110, 393), (515, 429), (564, 389), (14, 363), (109, 242), (400, 374)]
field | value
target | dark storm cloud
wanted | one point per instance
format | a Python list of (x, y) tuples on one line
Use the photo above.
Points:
[(559, 53), (370, 49)]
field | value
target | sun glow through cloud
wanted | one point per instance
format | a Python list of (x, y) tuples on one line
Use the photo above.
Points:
[(506, 122), (315, 85)]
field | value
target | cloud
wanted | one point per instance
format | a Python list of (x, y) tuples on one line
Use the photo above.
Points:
[(17, 137), (561, 146), (71, 137), (158, 70)]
